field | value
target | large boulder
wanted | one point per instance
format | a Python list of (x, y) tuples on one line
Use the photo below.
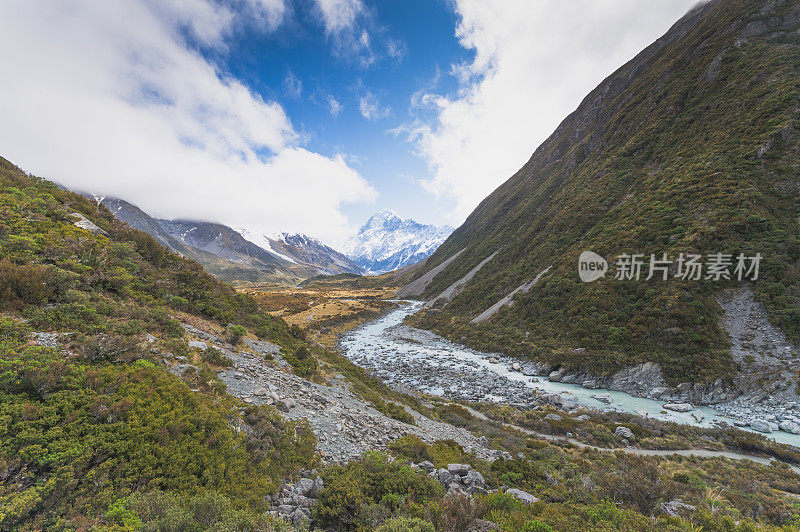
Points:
[(790, 426), (523, 496), (603, 398), (474, 479), (679, 407), (458, 469), (426, 466), (625, 432), (761, 425), (445, 477)]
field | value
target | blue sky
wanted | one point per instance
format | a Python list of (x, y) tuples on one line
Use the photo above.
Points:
[(300, 57), (302, 115)]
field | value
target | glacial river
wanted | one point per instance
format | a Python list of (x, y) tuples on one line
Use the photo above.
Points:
[(400, 360)]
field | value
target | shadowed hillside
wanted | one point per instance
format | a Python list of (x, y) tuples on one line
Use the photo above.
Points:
[(691, 147)]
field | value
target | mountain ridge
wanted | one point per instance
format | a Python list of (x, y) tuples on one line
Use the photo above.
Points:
[(234, 253), (660, 157)]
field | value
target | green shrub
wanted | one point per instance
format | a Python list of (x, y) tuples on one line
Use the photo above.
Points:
[(303, 362), (536, 526), (236, 333), (22, 284), (94, 433), (12, 330), (406, 524), (215, 357), (297, 332), (372, 480)]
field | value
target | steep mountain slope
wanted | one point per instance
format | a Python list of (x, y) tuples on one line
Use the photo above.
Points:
[(235, 254), (387, 242), (691, 147), (90, 412)]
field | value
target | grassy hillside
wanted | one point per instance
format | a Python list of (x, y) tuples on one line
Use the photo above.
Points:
[(692, 147), (81, 430)]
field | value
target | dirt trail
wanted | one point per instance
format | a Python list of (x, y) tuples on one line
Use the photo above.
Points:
[(700, 453)]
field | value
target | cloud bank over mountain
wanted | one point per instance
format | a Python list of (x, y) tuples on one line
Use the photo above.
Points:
[(114, 97)]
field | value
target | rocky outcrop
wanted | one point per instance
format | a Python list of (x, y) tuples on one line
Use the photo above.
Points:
[(455, 477), (84, 223), (294, 502)]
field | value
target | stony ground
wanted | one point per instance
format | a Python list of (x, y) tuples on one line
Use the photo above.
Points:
[(345, 425)]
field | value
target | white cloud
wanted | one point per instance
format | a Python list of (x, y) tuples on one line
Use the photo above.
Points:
[(371, 107), (334, 105), (108, 99), (339, 15), (355, 35), (534, 61), (292, 86)]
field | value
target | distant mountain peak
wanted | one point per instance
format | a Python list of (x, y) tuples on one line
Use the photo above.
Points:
[(387, 242), (237, 253)]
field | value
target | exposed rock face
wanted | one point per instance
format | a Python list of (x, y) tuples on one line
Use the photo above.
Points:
[(295, 501), (638, 380), (84, 223)]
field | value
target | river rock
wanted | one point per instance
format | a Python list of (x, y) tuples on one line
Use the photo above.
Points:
[(679, 407), (516, 366), (761, 425), (523, 496), (790, 426), (603, 398)]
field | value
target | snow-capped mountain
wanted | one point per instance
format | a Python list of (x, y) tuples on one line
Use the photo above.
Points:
[(235, 253), (387, 242)]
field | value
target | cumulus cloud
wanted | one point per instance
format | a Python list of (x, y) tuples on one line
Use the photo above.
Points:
[(109, 99), (371, 107), (534, 60)]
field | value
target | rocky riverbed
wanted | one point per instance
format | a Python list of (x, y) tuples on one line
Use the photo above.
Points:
[(411, 358)]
